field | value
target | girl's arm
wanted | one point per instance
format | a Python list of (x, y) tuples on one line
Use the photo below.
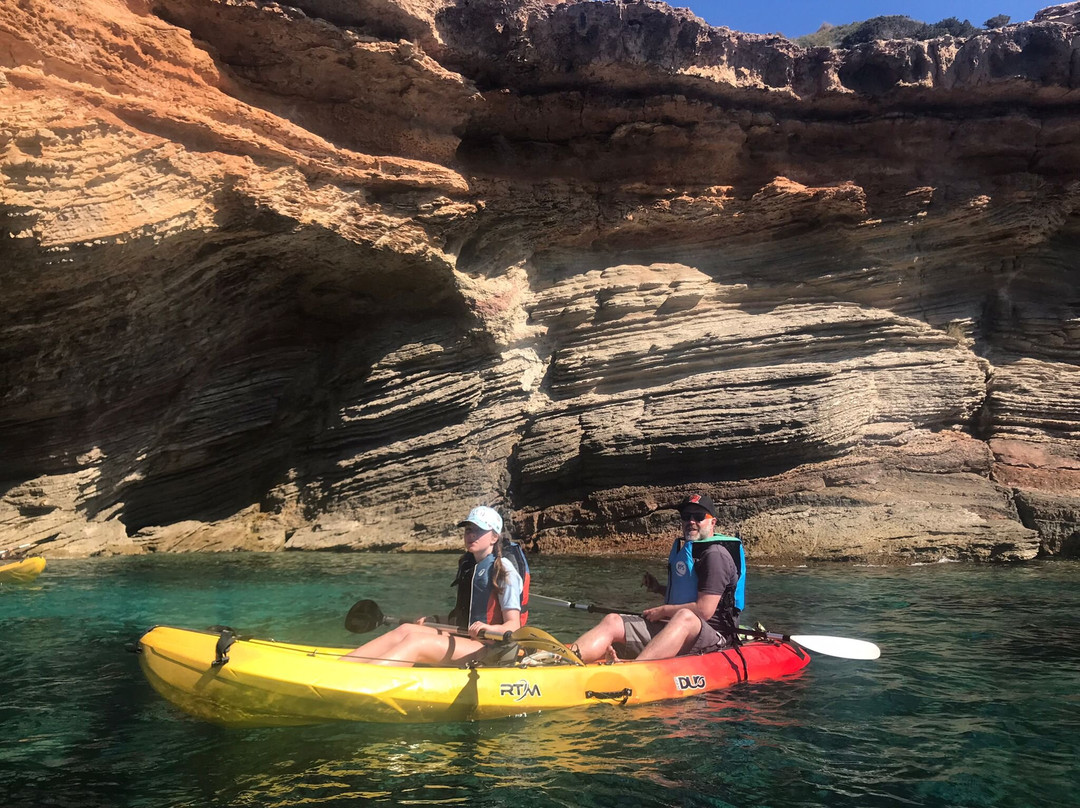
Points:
[(511, 622)]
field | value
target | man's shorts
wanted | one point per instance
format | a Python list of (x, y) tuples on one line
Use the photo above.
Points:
[(639, 631)]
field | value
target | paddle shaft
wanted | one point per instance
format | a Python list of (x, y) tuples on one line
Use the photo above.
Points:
[(446, 628), (585, 607), (765, 635), (595, 609), (842, 647), (365, 615)]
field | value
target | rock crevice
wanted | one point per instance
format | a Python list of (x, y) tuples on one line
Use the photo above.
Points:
[(320, 275)]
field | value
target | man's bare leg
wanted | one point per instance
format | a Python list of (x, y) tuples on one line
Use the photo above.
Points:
[(595, 643), (679, 633)]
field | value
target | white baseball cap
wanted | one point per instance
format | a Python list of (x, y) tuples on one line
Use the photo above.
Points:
[(483, 517)]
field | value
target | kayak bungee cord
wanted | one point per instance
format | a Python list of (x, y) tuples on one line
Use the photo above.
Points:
[(227, 637)]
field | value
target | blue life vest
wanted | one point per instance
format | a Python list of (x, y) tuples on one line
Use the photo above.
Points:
[(683, 581), (461, 616)]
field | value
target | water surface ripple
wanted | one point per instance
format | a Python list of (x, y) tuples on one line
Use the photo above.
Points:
[(974, 701)]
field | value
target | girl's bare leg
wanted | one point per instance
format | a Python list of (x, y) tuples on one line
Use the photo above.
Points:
[(381, 647), (408, 644)]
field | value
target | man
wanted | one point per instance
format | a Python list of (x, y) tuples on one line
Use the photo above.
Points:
[(699, 612)]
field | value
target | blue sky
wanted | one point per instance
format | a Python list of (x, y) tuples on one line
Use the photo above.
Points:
[(794, 18)]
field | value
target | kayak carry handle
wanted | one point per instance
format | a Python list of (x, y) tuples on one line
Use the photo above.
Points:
[(224, 642), (622, 696)]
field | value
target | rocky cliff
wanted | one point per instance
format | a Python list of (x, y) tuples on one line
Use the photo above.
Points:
[(324, 274)]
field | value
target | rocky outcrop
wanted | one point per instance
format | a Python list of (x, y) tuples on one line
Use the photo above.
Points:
[(321, 275)]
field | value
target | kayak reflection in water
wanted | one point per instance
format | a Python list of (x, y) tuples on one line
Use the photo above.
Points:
[(490, 591), (699, 612)]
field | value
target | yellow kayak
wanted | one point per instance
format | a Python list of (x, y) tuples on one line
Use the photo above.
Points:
[(268, 683), (23, 571)]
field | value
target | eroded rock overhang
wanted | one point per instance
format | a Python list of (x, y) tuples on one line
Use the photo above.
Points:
[(325, 274)]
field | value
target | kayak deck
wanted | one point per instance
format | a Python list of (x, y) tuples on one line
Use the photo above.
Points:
[(267, 683), (23, 571)]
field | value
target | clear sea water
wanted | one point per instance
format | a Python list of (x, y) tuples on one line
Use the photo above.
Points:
[(974, 702)]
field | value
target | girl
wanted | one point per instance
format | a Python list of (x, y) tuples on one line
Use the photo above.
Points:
[(491, 594)]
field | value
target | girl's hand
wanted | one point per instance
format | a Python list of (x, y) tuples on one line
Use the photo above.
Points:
[(476, 628)]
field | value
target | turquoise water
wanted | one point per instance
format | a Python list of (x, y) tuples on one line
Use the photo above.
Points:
[(974, 702)]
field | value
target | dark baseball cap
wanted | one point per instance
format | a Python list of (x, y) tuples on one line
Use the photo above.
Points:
[(702, 501)]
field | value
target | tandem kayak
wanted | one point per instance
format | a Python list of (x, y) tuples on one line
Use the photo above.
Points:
[(268, 683), (23, 571)]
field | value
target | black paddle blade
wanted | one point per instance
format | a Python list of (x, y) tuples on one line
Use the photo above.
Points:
[(364, 616)]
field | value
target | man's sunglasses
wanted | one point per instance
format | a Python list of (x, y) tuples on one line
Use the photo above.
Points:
[(698, 516)]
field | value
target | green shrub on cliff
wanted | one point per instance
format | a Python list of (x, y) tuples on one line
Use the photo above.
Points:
[(890, 27), (827, 36)]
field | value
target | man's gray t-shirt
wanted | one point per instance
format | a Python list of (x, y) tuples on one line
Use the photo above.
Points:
[(716, 573)]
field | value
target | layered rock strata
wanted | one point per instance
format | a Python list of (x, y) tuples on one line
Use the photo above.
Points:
[(324, 274)]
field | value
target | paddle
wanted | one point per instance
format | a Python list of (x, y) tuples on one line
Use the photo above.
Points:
[(842, 647), (15, 553), (365, 616)]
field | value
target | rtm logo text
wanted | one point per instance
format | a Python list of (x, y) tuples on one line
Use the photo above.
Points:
[(518, 690), (690, 682)]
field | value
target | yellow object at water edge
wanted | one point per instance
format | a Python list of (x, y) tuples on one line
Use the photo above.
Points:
[(23, 571), (267, 683)]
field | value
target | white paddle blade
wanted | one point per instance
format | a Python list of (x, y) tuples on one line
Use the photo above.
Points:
[(838, 646)]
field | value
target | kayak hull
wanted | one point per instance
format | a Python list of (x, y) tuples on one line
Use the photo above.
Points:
[(23, 571), (267, 683)]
